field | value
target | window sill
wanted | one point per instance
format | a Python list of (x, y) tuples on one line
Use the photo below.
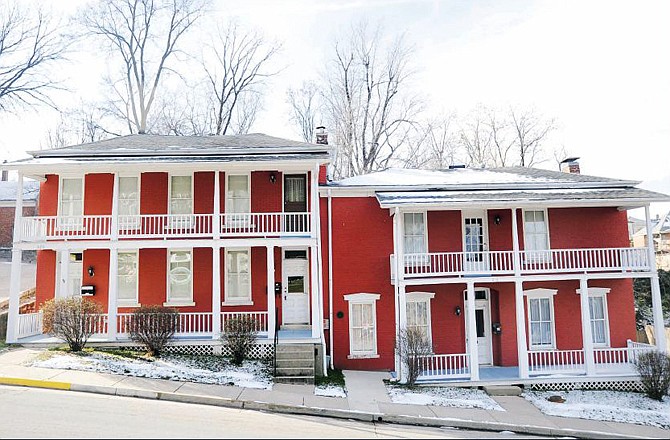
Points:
[(363, 356), (542, 348), (178, 304), (128, 304), (237, 303)]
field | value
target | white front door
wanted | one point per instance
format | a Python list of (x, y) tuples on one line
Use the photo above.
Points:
[(295, 282), (483, 326), (75, 271), (475, 241)]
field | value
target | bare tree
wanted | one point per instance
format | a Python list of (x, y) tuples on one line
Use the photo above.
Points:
[(145, 35), (236, 63), (304, 104), (531, 131), (368, 109), (476, 139), (82, 124), (435, 145), (30, 46), (502, 139)]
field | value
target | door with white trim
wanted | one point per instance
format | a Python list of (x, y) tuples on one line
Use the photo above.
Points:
[(483, 326), (75, 272), (475, 241), (295, 282)]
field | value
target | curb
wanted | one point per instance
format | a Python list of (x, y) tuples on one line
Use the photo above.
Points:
[(322, 412)]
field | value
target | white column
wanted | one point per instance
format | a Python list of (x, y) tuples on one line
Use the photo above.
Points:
[(657, 306), (521, 347), (314, 290), (64, 280), (400, 285), (114, 226), (14, 295), (586, 327), (112, 311), (314, 208), (216, 211), (472, 332), (270, 255), (216, 291), (396, 286)]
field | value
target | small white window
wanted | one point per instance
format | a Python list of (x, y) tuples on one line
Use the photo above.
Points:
[(129, 196), (180, 277), (72, 197), (536, 233), (418, 312), (362, 325), (238, 276), (541, 318), (127, 279), (415, 239), (181, 195), (600, 332), (238, 200)]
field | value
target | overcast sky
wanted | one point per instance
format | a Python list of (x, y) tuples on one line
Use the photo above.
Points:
[(601, 68)]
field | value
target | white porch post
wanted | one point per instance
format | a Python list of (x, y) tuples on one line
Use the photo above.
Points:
[(314, 204), (112, 311), (216, 291), (216, 211), (396, 285), (472, 332), (657, 306), (521, 345), (270, 254), (586, 327), (17, 254), (314, 290), (114, 226), (63, 282), (401, 288)]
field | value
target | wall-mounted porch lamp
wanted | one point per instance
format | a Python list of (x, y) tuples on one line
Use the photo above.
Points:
[(91, 271), (497, 219), (457, 311), (273, 178)]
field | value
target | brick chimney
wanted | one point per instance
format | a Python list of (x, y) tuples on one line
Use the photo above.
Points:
[(570, 165), (321, 135)]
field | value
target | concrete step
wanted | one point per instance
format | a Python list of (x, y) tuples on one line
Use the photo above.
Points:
[(295, 348), (502, 390), (298, 355), (295, 371), (309, 380), (288, 363)]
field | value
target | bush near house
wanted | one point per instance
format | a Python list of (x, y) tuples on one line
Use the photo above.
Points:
[(72, 319), (642, 292), (239, 333), (154, 327), (654, 370), (412, 345)]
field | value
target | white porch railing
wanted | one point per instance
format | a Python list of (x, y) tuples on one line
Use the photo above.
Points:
[(445, 366), (52, 227), (261, 319), (165, 225), (619, 360), (197, 323), (29, 324), (556, 361), (532, 262), (262, 224)]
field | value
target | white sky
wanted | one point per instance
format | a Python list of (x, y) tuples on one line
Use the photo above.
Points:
[(601, 68)]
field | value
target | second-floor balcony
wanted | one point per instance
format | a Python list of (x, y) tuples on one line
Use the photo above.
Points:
[(162, 226), (498, 263)]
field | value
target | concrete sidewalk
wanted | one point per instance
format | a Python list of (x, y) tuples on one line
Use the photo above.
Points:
[(367, 400)]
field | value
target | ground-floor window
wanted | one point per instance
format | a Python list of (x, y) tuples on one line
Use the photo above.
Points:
[(418, 313), (362, 324), (541, 325), (127, 278), (180, 277), (600, 334), (238, 276)]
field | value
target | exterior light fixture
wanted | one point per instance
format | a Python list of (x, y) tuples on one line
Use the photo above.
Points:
[(91, 271), (273, 178), (457, 311), (497, 219)]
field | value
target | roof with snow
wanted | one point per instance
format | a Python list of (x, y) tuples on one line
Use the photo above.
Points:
[(31, 190)]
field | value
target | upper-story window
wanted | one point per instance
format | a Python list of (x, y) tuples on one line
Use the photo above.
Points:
[(181, 195), (238, 198), (129, 196), (71, 197), (415, 239), (535, 230)]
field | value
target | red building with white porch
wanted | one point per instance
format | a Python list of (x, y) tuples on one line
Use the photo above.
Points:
[(490, 264)]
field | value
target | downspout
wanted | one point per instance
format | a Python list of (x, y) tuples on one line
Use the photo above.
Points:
[(330, 278)]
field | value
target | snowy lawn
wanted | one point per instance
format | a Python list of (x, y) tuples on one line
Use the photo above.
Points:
[(331, 385), (443, 396), (612, 406), (329, 391), (199, 369)]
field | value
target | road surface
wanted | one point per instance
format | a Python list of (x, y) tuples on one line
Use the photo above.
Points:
[(30, 412)]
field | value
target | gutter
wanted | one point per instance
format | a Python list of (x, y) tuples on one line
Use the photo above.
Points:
[(330, 278)]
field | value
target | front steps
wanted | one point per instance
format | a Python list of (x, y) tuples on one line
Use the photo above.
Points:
[(295, 363)]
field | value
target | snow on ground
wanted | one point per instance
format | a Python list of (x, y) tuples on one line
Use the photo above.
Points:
[(329, 391), (443, 396), (613, 406), (199, 369)]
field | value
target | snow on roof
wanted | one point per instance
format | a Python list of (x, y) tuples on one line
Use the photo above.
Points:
[(31, 190)]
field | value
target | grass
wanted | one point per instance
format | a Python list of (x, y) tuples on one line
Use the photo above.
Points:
[(334, 378)]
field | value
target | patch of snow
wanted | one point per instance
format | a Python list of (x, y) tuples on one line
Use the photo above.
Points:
[(400, 177), (252, 374), (330, 391), (615, 406), (443, 396)]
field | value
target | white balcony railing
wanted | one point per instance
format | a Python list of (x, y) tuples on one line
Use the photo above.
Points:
[(43, 228), (445, 366), (260, 318), (197, 323), (531, 262), (556, 361)]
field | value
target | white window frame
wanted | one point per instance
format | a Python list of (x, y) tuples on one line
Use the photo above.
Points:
[(368, 299), (77, 225), (599, 292), (248, 301), (225, 191), (135, 223), (130, 302), (541, 293), (179, 302), (546, 223), (423, 260), (422, 297), (283, 189)]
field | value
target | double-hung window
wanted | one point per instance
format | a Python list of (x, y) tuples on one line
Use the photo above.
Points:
[(362, 325), (536, 234), (180, 277), (238, 200), (127, 278), (238, 276), (129, 203), (600, 334), (71, 209), (418, 313), (541, 319), (181, 201), (415, 241)]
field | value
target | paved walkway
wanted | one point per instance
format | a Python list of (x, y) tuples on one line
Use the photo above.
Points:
[(367, 400)]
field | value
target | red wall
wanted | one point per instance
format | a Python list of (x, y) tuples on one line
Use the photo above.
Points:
[(444, 231), (98, 194), (154, 193), (45, 278), (265, 195), (588, 228), (49, 196), (99, 260), (203, 193)]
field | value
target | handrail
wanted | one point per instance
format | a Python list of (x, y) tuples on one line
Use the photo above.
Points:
[(275, 342)]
